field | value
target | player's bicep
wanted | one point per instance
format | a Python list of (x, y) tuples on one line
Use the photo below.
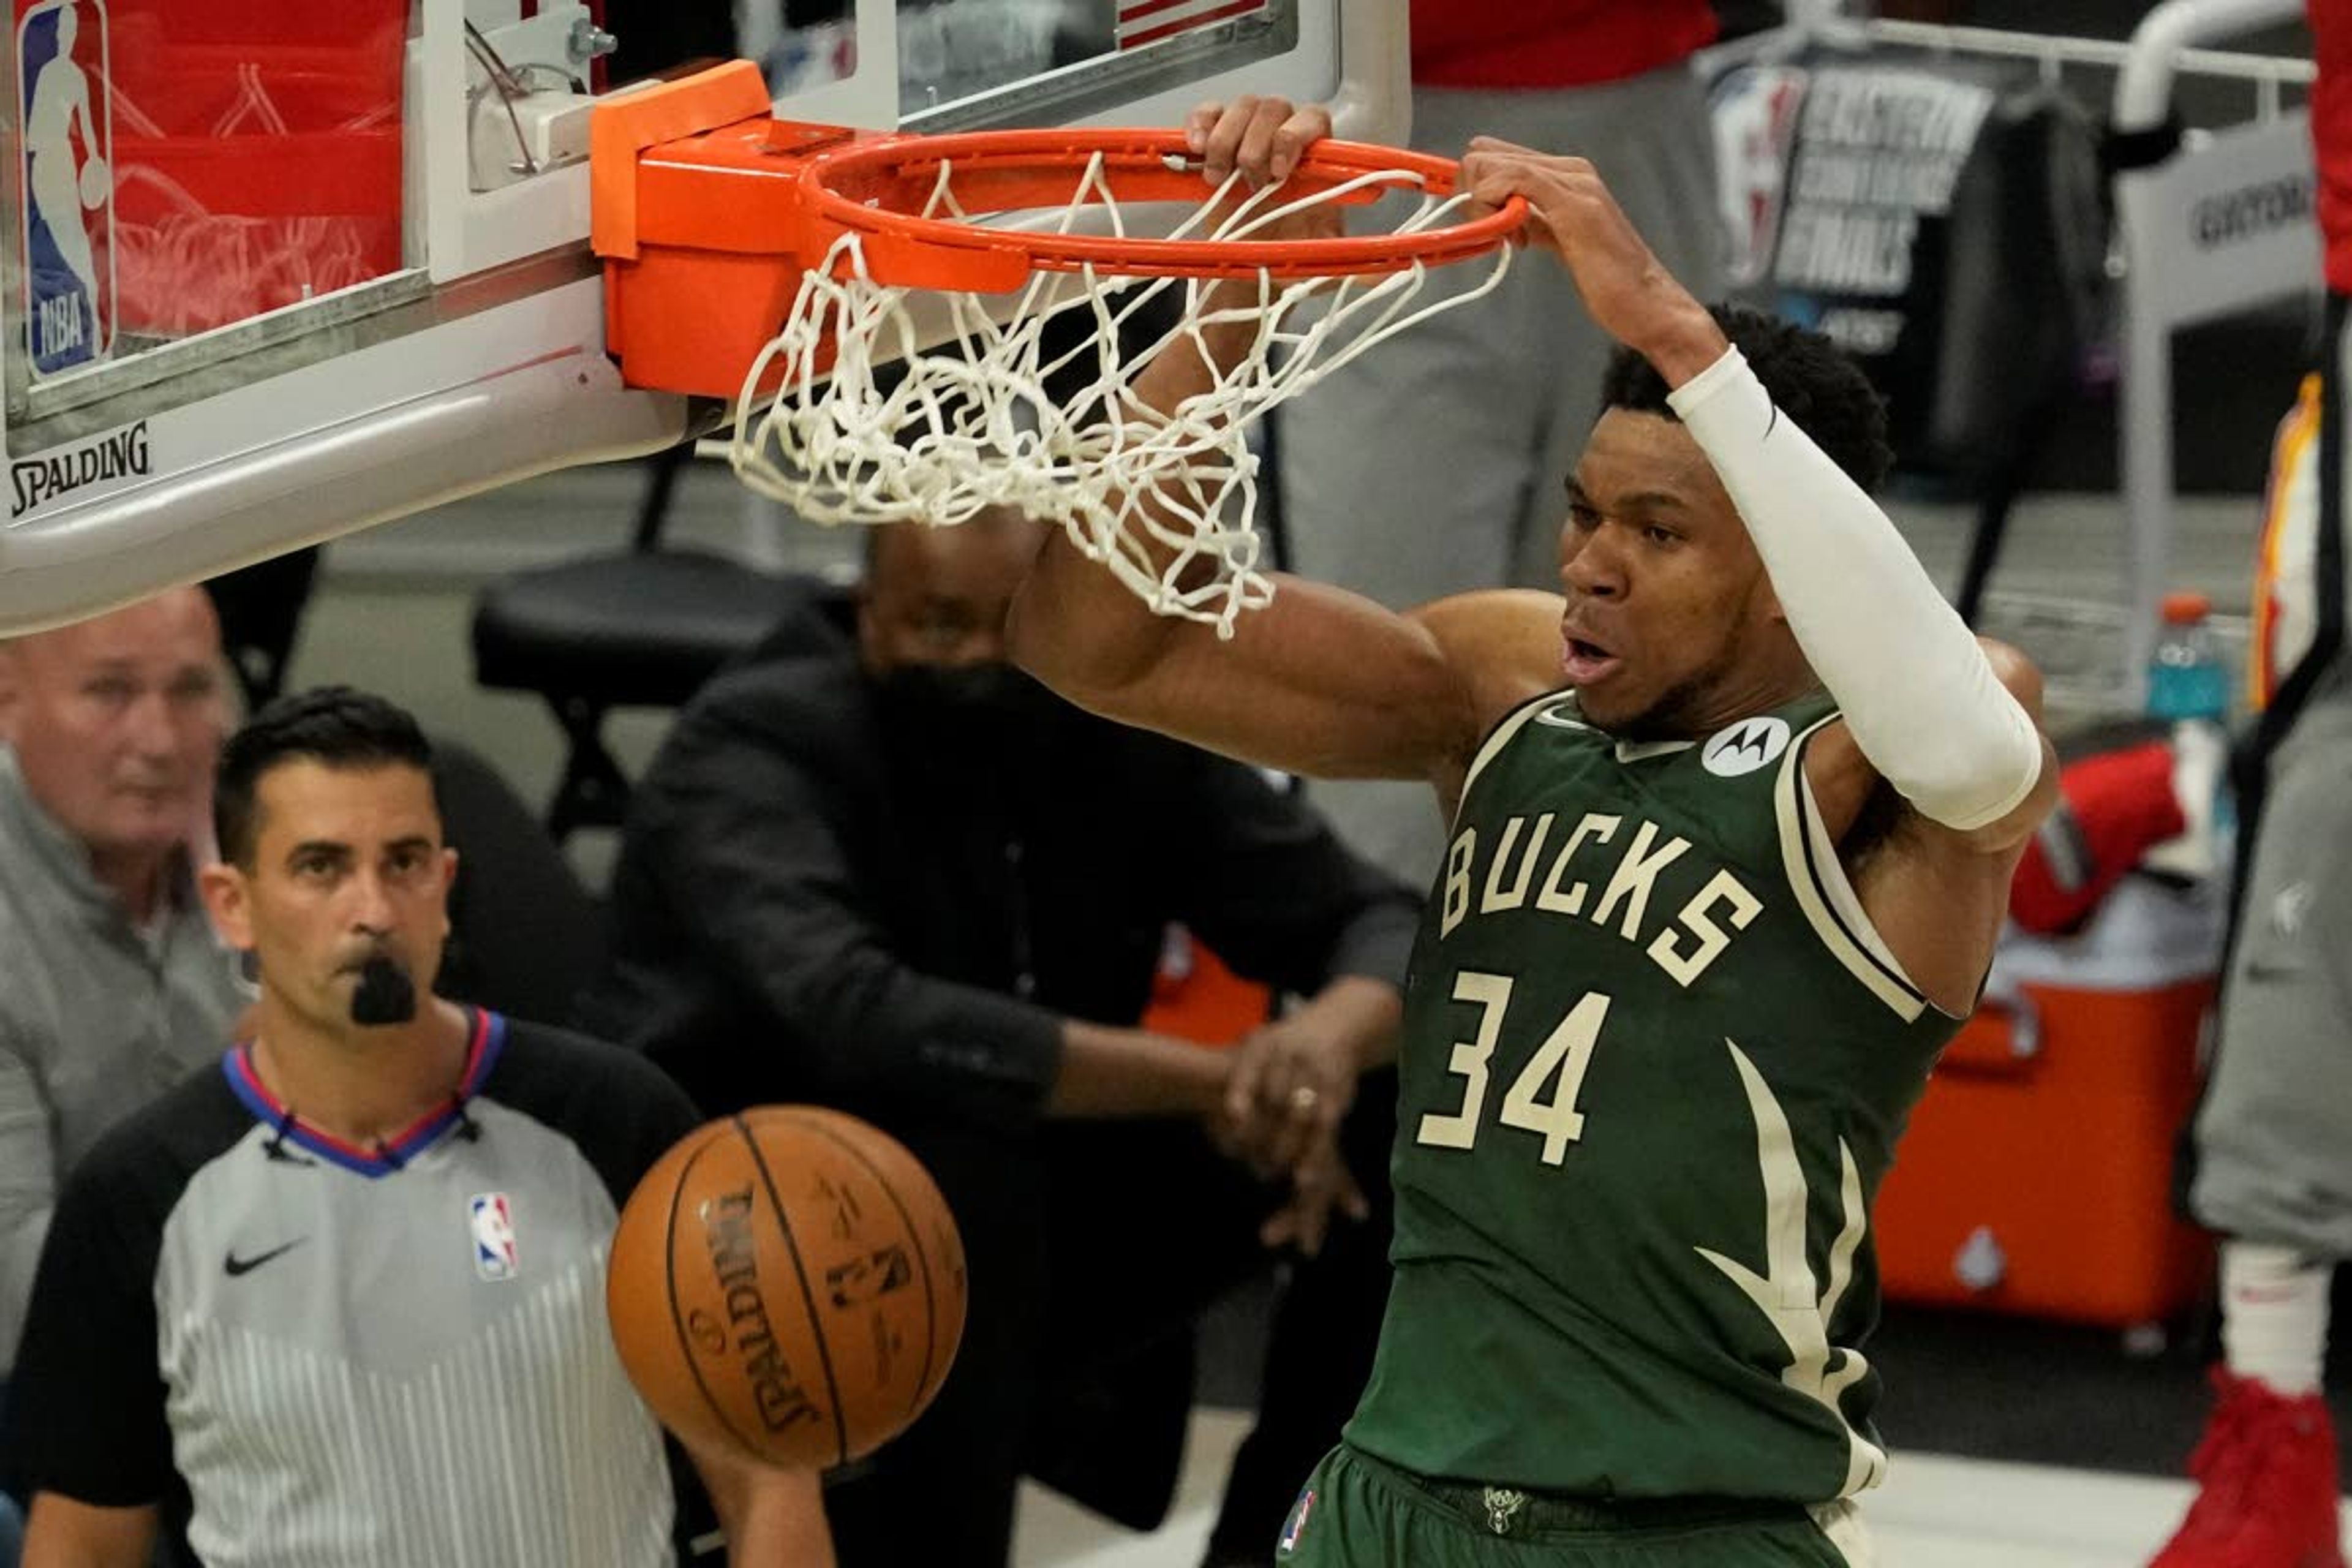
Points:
[(1506, 642), (1321, 681)]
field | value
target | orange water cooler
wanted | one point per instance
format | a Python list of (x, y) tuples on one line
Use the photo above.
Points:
[(2036, 1175)]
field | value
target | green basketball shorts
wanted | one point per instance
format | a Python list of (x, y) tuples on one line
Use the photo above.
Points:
[(1357, 1512)]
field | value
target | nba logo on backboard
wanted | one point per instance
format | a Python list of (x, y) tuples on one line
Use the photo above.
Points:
[(1296, 1525), (494, 1237), (64, 106)]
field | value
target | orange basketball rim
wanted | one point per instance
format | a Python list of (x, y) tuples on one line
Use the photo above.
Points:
[(707, 211)]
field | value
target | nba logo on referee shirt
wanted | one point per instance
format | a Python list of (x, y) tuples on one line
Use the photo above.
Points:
[(494, 1237), (64, 103)]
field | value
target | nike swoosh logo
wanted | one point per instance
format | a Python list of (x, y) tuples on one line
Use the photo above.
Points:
[(234, 1265)]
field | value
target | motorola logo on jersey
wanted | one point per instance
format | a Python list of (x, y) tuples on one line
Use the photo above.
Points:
[(1746, 746)]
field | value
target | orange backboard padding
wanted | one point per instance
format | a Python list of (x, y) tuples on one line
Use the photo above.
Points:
[(624, 125), (695, 212), (2064, 1158), (706, 315)]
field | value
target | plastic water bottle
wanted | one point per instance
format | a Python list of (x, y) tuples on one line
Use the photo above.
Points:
[(2189, 685), (2187, 679)]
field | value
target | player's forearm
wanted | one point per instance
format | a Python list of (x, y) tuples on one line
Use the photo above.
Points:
[(1109, 1071), (1194, 362), (1915, 687), (1080, 630), (1074, 625)]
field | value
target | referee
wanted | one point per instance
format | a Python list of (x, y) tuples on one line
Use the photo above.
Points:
[(339, 1301)]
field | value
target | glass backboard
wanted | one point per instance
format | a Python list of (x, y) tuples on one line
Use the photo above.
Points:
[(282, 270)]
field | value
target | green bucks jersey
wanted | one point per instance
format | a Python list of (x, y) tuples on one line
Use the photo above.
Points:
[(1655, 1064)]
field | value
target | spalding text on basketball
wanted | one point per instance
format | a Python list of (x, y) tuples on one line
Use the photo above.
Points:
[(783, 1401)]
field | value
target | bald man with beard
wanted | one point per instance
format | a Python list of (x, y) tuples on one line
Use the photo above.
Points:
[(116, 985)]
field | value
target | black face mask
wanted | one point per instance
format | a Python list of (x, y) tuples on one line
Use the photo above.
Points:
[(967, 697)]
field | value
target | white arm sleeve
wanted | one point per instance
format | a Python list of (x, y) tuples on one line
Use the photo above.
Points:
[(1915, 687)]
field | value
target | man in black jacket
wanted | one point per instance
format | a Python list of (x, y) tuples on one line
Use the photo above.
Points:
[(902, 880)]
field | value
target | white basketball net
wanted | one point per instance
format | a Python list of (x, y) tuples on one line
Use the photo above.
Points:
[(1166, 501)]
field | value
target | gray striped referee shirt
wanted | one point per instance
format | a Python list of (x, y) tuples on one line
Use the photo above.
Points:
[(313, 1355)]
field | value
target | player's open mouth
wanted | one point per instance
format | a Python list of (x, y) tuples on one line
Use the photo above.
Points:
[(1585, 662)]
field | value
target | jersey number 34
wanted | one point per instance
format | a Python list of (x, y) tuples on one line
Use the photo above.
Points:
[(1542, 1099)]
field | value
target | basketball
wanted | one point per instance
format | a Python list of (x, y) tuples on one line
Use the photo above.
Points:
[(787, 1283), (97, 184)]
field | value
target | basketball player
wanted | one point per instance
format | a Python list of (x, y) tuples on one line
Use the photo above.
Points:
[(1485, 413), (1732, 825), (341, 1300)]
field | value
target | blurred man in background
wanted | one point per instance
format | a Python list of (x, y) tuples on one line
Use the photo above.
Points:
[(116, 985)]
